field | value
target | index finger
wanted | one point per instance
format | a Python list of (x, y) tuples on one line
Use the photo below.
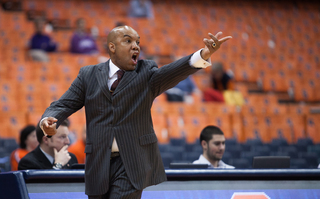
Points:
[(224, 39), (64, 148)]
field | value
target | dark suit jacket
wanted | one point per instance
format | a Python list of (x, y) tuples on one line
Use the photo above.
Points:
[(37, 160), (124, 115)]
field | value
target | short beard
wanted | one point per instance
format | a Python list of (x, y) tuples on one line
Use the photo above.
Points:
[(212, 157)]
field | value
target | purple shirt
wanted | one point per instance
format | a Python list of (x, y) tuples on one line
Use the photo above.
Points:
[(83, 43)]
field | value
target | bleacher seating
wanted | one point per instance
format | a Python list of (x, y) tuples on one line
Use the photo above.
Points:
[(272, 55)]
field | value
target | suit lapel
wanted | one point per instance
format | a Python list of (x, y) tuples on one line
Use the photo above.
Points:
[(126, 79), (42, 158), (102, 77)]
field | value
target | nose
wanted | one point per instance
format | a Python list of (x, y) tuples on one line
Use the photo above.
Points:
[(67, 141), (135, 46)]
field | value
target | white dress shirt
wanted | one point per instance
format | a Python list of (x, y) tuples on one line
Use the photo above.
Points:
[(221, 164), (50, 158)]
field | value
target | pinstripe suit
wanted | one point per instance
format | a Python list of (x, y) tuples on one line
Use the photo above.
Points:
[(124, 115)]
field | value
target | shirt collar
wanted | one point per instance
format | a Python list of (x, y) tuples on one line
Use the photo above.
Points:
[(50, 158), (112, 69), (204, 160)]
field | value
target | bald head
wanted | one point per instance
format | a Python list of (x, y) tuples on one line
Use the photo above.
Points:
[(116, 33), (123, 47)]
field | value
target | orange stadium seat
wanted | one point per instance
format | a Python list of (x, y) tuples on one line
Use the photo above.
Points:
[(291, 127), (237, 127), (196, 120), (202, 81), (223, 121), (11, 123)]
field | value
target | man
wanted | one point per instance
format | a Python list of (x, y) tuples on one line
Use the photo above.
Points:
[(122, 154), (51, 153), (213, 145)]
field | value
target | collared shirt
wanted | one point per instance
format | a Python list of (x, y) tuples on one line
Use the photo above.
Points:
[(50, 158), (112, 74), (221, 164)]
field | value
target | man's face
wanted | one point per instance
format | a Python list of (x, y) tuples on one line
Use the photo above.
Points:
[(216, 147), (127, 49), (60, 139)]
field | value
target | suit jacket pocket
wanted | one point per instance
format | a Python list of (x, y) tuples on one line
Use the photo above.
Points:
[(148, 139), (88, 148)]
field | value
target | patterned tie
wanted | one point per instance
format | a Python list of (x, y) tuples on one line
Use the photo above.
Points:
[(115, 83)]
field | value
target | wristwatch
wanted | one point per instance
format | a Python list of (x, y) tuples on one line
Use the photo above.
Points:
[(57, 165)]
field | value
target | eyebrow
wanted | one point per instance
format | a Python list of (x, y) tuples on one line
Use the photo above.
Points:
[(129, 36)]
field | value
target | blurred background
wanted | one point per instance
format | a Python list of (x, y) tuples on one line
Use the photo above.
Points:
[(271, 105)]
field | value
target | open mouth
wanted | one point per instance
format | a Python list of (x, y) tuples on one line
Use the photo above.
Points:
[(134, 58)]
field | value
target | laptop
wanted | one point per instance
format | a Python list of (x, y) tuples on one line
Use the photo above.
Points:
[(77, 166), (271, 162), (187, 166)]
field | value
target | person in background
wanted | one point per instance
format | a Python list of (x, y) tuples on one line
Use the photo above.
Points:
[(221, 81), (41, 43), (52, 152), (82, 42), (182, 92), (141, 8), (28, 142), (78, 147), (213, 145)]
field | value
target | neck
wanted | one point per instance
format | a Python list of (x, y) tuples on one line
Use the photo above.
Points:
[(28, 148), (46, 149), (214, 163)]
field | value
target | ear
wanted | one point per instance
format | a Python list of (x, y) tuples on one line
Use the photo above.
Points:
[(45, 139), (112, 47), (204, 145)]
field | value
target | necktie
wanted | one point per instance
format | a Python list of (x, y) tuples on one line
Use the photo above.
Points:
[(115, 83)]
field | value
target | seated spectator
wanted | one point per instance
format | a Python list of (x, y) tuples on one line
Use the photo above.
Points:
[(140, 8), (28, 142), (82, 42), (52, 152), (182, 92), (213, 145), (41, 43), (78, 147), (221, 81)]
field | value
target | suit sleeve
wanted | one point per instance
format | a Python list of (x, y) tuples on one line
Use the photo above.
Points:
[(71, 101), (170, 75)]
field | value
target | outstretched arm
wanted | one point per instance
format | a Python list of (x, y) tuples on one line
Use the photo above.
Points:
[(169, 75)]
